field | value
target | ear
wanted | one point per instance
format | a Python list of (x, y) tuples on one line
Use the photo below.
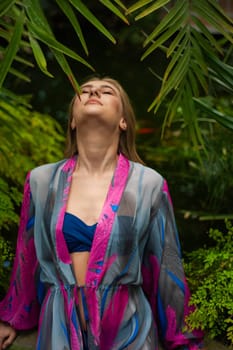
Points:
[(123, 124)]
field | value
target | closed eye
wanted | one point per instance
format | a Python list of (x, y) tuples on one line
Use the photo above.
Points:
[(107, 91)]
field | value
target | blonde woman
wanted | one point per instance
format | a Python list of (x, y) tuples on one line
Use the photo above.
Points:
[(98, 261)]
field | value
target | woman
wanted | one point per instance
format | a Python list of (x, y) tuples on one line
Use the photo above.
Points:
[(98, 263)]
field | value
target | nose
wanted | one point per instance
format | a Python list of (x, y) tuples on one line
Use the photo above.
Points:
[(95, 91)]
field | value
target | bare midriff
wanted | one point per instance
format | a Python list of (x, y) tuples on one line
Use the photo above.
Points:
[(79, 262)]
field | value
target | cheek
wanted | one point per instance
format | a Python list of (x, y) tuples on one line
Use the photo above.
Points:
[(76, 106), (117, 105)]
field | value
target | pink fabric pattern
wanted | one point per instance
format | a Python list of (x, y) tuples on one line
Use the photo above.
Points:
[(20, 307), (61, 246), (115, 310)]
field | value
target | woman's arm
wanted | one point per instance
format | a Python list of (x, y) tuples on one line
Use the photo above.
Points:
[(164, 279), (20, 307)]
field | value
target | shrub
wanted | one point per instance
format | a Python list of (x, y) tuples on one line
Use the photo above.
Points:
[(210, 276), (6, 258)]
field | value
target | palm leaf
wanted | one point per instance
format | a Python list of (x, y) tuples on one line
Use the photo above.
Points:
[(11, 49), (36, 15), (214, 18), (83, 9), (220, 11), (39, 56), (139, 4), (200, 77), (176, 56), (177, 12), (19, 75), (204, 31), (68, 11), (115, 10), (23, 61), (49, 40), (66, 69), (120, 4), (164, 37), (224, 120), (156, 6), (176, 42), (175, 79), (5, 5)]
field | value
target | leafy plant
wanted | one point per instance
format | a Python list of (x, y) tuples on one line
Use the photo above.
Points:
[(28, 139), (197, 61), (210, 276), (6, 258), (24, 27)]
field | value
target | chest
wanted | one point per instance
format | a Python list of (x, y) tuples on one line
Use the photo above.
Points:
[(87, 196)]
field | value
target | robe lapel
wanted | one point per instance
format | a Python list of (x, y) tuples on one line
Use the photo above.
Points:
[(63, 193), (96, 265), (97, 261)]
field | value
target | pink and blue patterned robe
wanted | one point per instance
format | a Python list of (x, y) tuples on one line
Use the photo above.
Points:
[(136, 293)]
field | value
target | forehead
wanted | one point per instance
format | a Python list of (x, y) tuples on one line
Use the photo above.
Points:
[(100, 84)]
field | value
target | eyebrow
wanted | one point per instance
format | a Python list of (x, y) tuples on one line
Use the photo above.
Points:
[(101, 86)]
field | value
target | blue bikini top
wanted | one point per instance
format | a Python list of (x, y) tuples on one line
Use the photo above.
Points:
[(78, 235)]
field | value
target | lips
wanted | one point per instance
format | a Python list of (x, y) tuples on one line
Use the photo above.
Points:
[(93, 101)]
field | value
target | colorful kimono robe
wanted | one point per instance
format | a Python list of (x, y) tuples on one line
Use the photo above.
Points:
[(135, 288)]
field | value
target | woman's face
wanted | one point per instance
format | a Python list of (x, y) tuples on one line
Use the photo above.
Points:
[(99, 101)]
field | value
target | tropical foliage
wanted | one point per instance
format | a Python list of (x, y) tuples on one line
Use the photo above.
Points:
[(210, 277), (198, 61), (202, 193), (27, 139)]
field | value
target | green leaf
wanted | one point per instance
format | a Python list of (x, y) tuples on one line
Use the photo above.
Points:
[(120, 4), (11, 49), (173, 15), (164, 37), (39, 56), (190, 115), (66, 69), (68, 11), (172, 109), (157, 5), (193, 83), (176, 41), (78, 4), (197, 41), (19, 75), (197, 71), (225, 120), (204, 31), (221, 12), (43, 36), (176, 57), (23, 61), (214, 19), (138, 5), (174, 80), (5, 5), (36, 15), (220, 69), (114, 9)]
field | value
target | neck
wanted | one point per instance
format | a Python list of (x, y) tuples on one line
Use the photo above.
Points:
[(96, 155)]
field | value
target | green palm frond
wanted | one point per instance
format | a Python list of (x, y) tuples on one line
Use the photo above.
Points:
[(24, 24), (185, 33)]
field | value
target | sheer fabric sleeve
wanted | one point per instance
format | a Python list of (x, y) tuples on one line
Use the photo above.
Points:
[(164, 280), (20, 307)]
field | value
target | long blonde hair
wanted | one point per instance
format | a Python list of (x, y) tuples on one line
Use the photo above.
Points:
[(127, 144)]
